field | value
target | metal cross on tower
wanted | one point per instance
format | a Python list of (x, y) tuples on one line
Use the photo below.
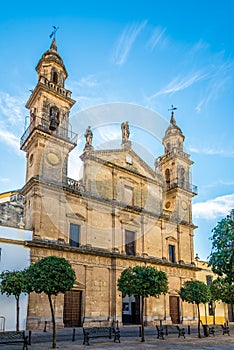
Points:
[(52, 35)]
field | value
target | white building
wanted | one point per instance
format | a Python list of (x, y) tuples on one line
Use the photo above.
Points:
[(14, 256)]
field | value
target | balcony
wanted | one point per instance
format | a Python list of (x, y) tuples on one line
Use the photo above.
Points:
[(183, 185), (43, 124), (75, 185), (52, 86)]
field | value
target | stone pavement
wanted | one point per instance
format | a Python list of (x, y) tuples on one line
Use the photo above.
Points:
[(130, 340)]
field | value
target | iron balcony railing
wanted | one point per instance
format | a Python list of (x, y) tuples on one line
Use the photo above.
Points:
[(43, 124), (184, 185), (75, 185)]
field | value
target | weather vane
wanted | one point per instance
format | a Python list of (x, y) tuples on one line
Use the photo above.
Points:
[(52, 35), (172, 108)]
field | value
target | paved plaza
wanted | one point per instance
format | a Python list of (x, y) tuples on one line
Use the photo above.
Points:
[(130, 340)]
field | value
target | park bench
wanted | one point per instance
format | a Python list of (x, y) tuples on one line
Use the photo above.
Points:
[(12, 337), (101, 332), (163, 330), (218, 329)]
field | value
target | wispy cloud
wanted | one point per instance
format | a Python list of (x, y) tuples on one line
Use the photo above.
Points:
[(10, 140), (219, 76), (12, 107), (156, 38), (88, 81), (126, 41), (86, 102), (214, 208), (179, 83), (4, 179), (220, 182), (199, 46), (211, 151)]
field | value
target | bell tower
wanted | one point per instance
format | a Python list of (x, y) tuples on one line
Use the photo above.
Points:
[(48, 139), (175, 166)]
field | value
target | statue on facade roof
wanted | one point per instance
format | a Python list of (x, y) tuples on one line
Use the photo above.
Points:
[(125, 132), (89, 138)]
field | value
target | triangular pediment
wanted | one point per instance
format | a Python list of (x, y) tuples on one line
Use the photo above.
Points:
[(125, 159), (76, 216)]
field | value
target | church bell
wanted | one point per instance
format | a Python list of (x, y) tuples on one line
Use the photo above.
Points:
[(53, 125)]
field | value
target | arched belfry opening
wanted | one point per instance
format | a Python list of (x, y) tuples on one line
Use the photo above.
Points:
[(168, 177), (55, 77), (54, 118)]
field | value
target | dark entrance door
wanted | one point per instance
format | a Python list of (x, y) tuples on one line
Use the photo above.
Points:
[(72, 309), (136, 311), (230, 313), (174, 309)]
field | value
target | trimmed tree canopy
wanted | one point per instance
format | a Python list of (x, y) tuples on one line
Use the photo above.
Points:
[(195, 292), (143, 281), (13, 283), (51, 275)]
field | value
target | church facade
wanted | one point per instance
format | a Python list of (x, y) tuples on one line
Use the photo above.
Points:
[(121, 213)]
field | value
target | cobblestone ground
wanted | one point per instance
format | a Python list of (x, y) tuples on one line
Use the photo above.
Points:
[(191, 342)]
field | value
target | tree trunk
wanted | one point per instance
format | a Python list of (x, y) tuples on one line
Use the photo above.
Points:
[(206, 313), (142, 320), (199, 321), (53, 321), (214, 309), (17, 313)]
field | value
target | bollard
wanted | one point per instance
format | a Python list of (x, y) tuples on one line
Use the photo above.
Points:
[(29, 337), (74, 334), (45, 326), (140, 332), (189, 330)]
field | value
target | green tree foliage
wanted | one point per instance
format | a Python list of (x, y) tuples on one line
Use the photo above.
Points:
[(221, 258), (195, 292), (142, 282), (51, 275), (216, 290), (222, 290), (14, 283)]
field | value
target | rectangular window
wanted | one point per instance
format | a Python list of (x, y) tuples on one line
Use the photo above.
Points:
[(171, 252), (211, 309), (130, 243), (128, 195), (74, 239), (209, 279)]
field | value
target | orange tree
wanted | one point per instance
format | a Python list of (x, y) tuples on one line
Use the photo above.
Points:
[(195, 292), (14, 283), (142, 282), (51, 275)]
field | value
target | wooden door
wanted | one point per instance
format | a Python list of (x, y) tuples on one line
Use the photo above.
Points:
[(72, 309), (174, 309)]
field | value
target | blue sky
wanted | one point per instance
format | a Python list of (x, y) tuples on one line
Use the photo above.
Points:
[(138, 53)]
